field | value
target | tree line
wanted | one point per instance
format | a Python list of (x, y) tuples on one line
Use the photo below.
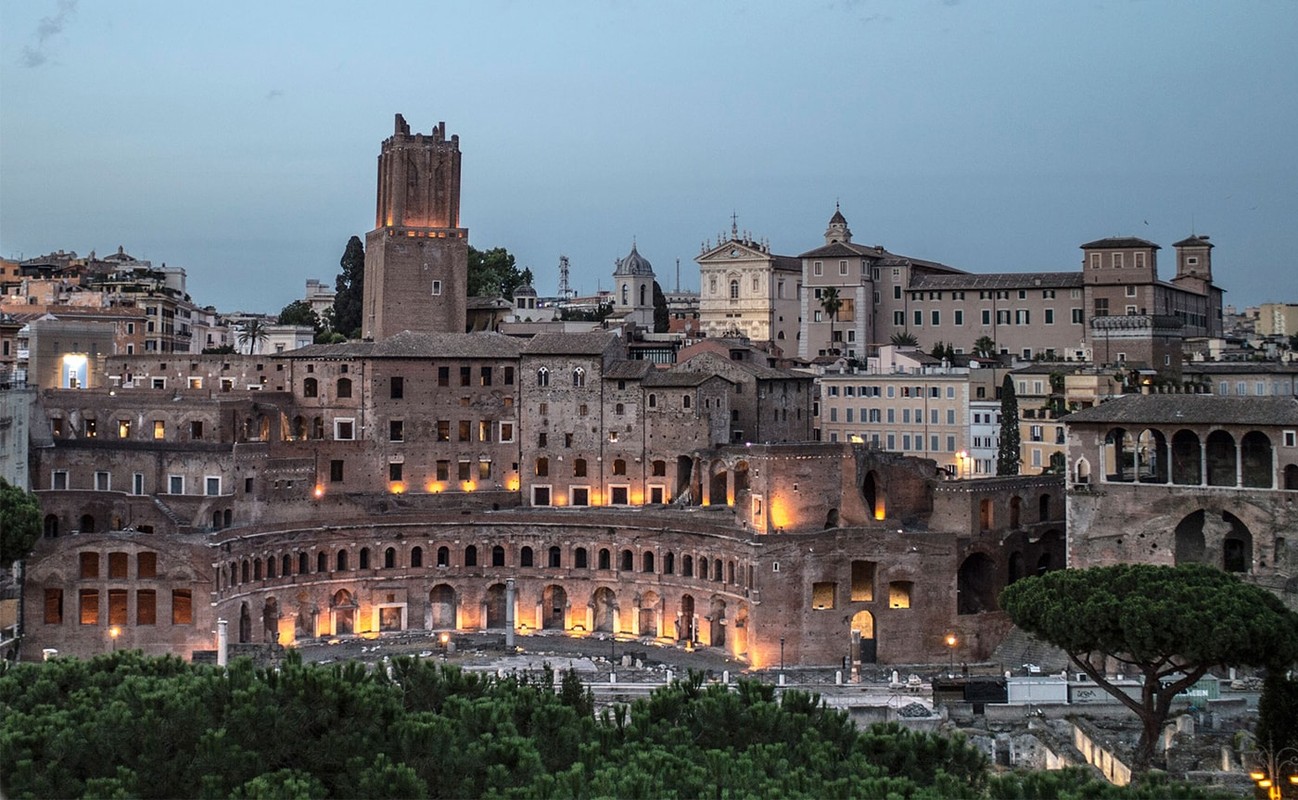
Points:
[(123, 725)]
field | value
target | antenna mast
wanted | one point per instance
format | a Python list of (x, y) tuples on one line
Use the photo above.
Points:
[(565, 290)]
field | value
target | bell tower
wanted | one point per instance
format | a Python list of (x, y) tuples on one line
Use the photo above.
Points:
[(416, 258)]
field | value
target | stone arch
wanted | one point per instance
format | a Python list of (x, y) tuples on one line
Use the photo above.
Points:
[(87, 523), (687, 566), (1082, 472), (1187, 458), (875, 497), (343, 610), (604, 559), (390, 558), (554, 557), (270, 620), (1221, 459), (493, 606), (416, 556), (363, 559), (342, 561), (286, 566), (603, 604), (739, 636), (717, 494), (471, 556), (864, 645), (685, 621), (1016, 511), (669, 563), (741, 479), (580, 559), (1256, 461), (628, 561), (441, 607), (51, 526), (647, 561), (1119, 456), (526, 557), (1016, 566), (1190, 547), (976, 584), (497, 556), (443, 556), (322, 562), (245, 624), (986, 515), (831, 519), (554, 608), (1151, 456), (684, 471), (1236, 545), (299, 427), (717, 622), (648, 614), (1043, 508), (1050, 551), (703, 568)]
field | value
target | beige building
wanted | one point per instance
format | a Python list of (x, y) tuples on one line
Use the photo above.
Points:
[(747, 291), (1278, 319)]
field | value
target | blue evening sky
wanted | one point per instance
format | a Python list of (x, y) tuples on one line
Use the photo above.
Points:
[(239, 139)]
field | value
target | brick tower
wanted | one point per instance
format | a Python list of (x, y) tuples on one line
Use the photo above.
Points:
[(416, 258)]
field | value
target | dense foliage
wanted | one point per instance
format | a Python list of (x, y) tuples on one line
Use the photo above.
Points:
[(1007, 453), (1168, 625), (349, 290), (493, 273), (20, 522), (123, 725)]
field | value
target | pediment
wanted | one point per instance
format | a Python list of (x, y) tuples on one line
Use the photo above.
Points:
[(732, 251)]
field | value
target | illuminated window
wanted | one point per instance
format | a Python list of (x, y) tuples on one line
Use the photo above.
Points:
[(89, 610), (863, 581), (182, 607), (53, 606), (899, 594), (822, 595), (159, 429)]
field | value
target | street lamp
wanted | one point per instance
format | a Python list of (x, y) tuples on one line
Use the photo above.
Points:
[(951, 642), (1272, 764), (445, 640), (113, 633), (960, 458)]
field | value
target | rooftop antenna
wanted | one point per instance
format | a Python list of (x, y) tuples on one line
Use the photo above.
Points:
[(734, 225), (678, 275)]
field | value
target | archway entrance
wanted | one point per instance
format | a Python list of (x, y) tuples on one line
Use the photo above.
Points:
[(344, 613), (685, 623), (245, 624), (976, 585), (864, 648), (717, 623), (604, 606), (554, 608), (494, 606), (874, 495), (648, 620), (441, 607)]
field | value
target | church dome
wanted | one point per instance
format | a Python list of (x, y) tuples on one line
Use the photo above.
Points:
[(634, 264)]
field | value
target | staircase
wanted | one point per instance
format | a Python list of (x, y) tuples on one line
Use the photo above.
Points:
[(168, 513), (1020, 647)]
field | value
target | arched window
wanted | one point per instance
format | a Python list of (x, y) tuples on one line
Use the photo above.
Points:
[(619, 409), (642, 295), (417, 557), (659, 469), (51, 526), (303, 563), (604, 558), (734, 290), (619, 466), (286, 565), (579, 468), (342, 560), (703, 568), (543, 377), (471, 556), (626, 294), (243, 572), (555, 557), (578, 377), (685, 401), (669, 563), (270, 567), (344, 388), (647, 562), (310, 388), (87, 523), (628, 561), (364, 559), (321, 562), (542, 467), (443, 557), (390, 558), (525, 557), (317, 428), (687, 567), (497, 556), (653, 400), (579, 558)]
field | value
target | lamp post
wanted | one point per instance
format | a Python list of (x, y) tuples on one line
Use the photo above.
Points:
[(781, 659), (960, 458), (1272, 764), (951, 642), (113, 633), (445, 640)]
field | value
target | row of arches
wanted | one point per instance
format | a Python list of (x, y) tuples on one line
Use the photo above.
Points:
[(1149, 456), (713, 621), (979, 579), (286, 565), (987, 512)]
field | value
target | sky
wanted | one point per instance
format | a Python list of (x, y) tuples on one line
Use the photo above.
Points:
[(239, 140)]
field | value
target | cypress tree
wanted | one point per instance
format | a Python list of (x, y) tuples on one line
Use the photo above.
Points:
[(1007, 456), (350, 288)]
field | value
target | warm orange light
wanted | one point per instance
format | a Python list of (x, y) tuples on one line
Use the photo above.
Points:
[(435, 488), (114, 631), (951, 641), (780, 516), (1257, 775), (444, 638), (319, 491), (397, 487), (468, 486), (512, 484), (879, 512)]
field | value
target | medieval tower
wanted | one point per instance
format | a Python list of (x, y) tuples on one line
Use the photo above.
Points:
[(416, 258)]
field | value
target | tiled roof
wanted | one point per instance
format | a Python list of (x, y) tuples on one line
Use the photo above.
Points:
[(628, 370), (418, 345), (1118, 242), (844, 249), (1193, 241), (999, 280), (1240, 368), (556, 344), (1190, 409), (670, 378)]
